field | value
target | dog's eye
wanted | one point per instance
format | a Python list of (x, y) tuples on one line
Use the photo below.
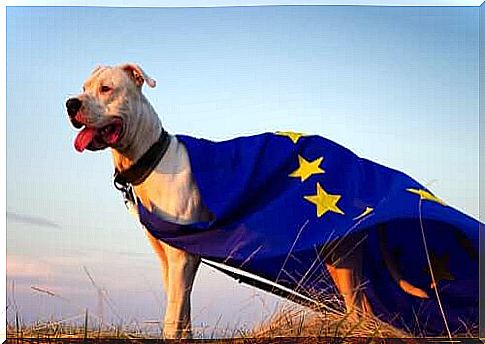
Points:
[(105, 89)]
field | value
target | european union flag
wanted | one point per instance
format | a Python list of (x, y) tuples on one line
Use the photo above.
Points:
[(278, 199)]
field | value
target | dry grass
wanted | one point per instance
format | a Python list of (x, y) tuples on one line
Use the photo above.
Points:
[(290, 320), (296, 321), (78, 326)]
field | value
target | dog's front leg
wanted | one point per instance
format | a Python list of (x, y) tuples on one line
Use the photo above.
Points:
[(159, 249), (182, 268)]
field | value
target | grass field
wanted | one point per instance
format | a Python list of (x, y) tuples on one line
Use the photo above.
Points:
[(290, 321), (290, 324)]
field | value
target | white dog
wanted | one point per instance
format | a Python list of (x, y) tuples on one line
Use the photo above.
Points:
[(113, 112)]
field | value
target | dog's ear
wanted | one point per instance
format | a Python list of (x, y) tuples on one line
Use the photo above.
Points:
[(138, 75)]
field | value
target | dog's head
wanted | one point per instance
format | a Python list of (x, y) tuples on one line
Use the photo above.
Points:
[(111, 98)]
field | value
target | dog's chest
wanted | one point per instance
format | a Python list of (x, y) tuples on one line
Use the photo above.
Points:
[(170, 191)]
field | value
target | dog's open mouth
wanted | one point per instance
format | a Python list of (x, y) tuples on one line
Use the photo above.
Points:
[(99, 138)]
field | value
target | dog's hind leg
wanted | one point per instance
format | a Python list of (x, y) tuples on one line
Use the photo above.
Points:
[(345, 268), (391, 264)]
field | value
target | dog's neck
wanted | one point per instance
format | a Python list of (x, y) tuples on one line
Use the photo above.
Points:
[(140, 135)]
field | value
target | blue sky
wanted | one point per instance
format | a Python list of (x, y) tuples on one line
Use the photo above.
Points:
[(395, 85), (228, 3)]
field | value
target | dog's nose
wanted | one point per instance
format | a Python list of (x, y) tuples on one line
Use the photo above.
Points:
[(73, 105)]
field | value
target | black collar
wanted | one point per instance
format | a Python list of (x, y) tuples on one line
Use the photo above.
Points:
[(140, 170)]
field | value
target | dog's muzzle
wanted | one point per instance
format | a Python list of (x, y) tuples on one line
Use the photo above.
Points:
[(93, 137)]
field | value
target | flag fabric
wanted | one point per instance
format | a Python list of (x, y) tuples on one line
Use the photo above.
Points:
[(279, 199)]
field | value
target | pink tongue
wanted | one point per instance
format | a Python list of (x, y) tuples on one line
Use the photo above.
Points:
[(84, 138)]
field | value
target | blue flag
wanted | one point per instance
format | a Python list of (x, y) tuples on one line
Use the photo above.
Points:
[(279, 199)]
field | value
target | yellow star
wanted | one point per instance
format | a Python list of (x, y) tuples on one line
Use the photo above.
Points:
[(324, 201), (292, 135), (307, 168), (426, 195), (366, 212)]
